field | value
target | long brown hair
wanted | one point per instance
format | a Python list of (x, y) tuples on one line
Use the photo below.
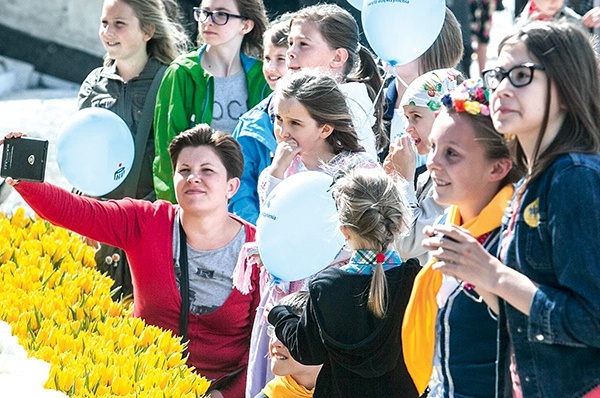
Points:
[(326, 104), (253, 10), (169, 38), (340, 30), (570, 65)]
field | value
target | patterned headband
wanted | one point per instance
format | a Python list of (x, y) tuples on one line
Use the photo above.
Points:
[(428, 89), (471, 97)]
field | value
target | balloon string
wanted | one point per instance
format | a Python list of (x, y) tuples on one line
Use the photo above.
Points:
[(372, 108), (391, 72), (402, 81)]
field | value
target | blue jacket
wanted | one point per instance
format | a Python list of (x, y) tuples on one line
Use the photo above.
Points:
[(556, 244), (255, 134), (389, 102)]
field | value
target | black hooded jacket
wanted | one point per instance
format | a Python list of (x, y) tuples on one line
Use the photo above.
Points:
[(361, 354)]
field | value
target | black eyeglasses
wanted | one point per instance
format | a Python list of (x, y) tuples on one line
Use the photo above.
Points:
[(218, 17), (519, 75)]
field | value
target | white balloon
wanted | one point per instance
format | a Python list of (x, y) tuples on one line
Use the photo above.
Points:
[(358, 4), (400, 31), (297, 230), (95, 151)]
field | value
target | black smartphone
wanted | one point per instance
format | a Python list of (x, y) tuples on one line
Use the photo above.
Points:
[(440, 235), (24, 159)]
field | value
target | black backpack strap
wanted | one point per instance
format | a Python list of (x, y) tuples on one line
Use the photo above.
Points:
[(143, 131), (184, 285)]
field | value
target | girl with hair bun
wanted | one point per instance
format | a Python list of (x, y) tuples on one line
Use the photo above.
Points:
[(314, 130)]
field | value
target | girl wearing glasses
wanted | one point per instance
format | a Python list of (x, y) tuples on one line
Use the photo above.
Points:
[(546, 285), (214, 84)]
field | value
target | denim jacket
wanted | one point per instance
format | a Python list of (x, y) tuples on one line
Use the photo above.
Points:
[(465, 362), (556, 243)]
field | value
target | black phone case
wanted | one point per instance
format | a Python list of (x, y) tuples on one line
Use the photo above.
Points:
[(24, 159)]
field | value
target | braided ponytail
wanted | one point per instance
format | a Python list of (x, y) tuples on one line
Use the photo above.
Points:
[(372, 207)]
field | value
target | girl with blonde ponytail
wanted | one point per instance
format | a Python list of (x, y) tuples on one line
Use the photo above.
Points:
[(352, 319)]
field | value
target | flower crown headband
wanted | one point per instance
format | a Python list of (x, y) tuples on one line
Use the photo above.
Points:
[(471, 97), (428, 89)]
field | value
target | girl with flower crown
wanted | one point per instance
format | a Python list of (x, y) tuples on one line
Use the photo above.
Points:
[(449, 336), (545, 286), (352, 319)]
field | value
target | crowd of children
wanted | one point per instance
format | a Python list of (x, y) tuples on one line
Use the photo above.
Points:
[(473, 273)]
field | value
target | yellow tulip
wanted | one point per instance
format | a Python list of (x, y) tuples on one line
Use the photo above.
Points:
[(121, 386), (60, 309)]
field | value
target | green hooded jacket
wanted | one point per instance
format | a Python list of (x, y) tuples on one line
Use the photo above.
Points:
[(185, 99)]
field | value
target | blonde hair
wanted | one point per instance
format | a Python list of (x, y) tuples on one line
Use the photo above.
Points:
[(371, 206)]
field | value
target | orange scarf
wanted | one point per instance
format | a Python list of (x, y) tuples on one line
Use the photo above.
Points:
[(418, 326), (286, 387)]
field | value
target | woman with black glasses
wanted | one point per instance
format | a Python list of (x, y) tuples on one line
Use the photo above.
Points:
[(214, 84), (546, 286)]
